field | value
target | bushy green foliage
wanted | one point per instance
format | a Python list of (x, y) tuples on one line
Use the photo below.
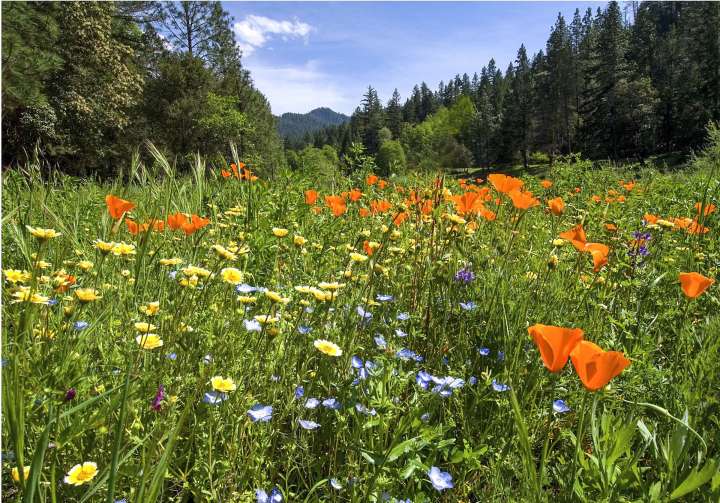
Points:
[(391, 158)]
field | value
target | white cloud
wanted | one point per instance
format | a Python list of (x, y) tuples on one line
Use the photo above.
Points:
[(255, 31), (301, 88)]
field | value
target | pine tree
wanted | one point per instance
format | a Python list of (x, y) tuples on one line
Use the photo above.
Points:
[(393, 114)]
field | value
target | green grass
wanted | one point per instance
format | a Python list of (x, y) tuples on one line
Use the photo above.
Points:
[(650, 435)]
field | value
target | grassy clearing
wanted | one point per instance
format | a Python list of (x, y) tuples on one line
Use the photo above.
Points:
[(442, 294)]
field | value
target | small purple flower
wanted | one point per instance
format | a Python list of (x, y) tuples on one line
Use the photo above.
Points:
[(70, 394), (364, 410), (312, 403), (308, 425), (425, 417), (245, 288), (262, 413), (171, 356), (214, 397), (52, 302), (440, 480), (468, 306), (472, 381), (403, 316), (299, 392), (408, 354), (262, 497), (252, 325), (159, 397), (304, 330), (560, 406), (484, 351), (400, 333), (499, 387), (335, 484), (465, 275), (380, 342), (384, 298), (501, 356), (365, 315), (331, 403), (80, 325)]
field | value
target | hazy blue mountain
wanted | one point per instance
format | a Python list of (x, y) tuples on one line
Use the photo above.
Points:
[(295, 126)]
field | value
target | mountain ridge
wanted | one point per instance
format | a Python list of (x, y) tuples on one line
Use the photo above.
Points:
[(292, 125)]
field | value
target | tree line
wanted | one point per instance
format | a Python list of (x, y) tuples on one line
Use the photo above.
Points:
[(609, 84), (85, 83)]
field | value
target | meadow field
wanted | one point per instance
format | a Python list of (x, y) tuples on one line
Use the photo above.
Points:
[(238, 336)]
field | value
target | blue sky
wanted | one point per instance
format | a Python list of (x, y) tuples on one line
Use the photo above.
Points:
[(303, 55)]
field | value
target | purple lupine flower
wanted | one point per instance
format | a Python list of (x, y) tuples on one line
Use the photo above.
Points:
[(465, 275), (159, 397)]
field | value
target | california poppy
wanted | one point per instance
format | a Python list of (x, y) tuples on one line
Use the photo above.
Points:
[(371, 179), (194, 224), (117, 207), (596, 367), (225, 173), (364, 212), (596, 198), (134, 228), (336, 204), (599, 254), (523, 200), (696, 228), (176, 220), (311, 196), (577, 233), (628, 186), (504, 183), (694, 284), (380, 206), (400, 218), (650, 219), (469, 202), (709, 208), (382, 184), (556, 206), (546, 184), (611, 227), (355, 194), (555, 344)]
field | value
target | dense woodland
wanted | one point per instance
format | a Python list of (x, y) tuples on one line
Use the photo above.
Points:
[(86, 83), (618, 83)]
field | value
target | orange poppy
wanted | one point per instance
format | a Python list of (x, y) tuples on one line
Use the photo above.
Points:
[(370, 248), (371, 179), (235, 170), (382, 184), (225, 173), (651, 219), (599, 254), (628, 186), (316, 209), (355, 195), (694, 284), (176, 221), (504, 183), (555, 344), (311, 196), (68, 281), (523, 200), (157, 225), (546, 184), (709, 208), (336, 204), (427, 207), (380, 206), (610, 227), (469, 202), (577, 233), (596, 198), (596, 367), (194, 224), (134, 228), (364, 212), (556, 206), (487, 214), (117, 207), (696, 228), (578, 190), (400, 218)]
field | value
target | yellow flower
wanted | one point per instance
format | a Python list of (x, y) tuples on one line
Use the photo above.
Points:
[(144, 327), (245, 299), (665, 223), (24, 295), (170, 261), (231, 275), (43, 234), (276, 297), (299, 240), (191, 282), (192, 270), (151, 308), (456, 219), (223, 252), (17, 276), (87, 294), (104, 246), (43, 264), (327, 347), (358, 257), (265, 319), (80, 474), (559, 242), (222, 384), (303, 289), (149, 341), (123, 249), (85, 265), (330, 286), (125, 273), (279, 232), (186, 328), (323, 295), (15, 473)]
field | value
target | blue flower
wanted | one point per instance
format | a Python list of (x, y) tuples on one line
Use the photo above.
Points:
[(304, 330), (262, 496), (299, 392), (484, 351), (331, 403), (309, 310), (252, 325), (262, 413), (560, 406), (384, 297), (472, 381), (172, 274), (464, 275), (440, 480), (312, 403), (80, 325), (356, 362), (121, 501), (468, 306), (407, 354), (423, 379), (245, 288), (335, 484), (52, 302), (364, 410), (400, 333), (365, 315), (425, 417), (380, 341), (499, 387), (403, 316), (308, 425), (214, 397), (171, 356)]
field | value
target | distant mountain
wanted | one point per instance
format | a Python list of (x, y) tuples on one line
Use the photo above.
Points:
[(295, 126)]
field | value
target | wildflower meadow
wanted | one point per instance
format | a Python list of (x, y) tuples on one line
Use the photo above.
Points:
[(237, 335)]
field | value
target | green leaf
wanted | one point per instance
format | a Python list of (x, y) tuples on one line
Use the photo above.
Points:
[(696, 478), (400, 449)]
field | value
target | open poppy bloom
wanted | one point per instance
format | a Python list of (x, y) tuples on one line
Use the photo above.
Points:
[(596, 367), (709, 208), (135, 228), (371, 179), (382, 184), (523, 200), (599, 254), (546, 184), (577, 233), (650, 218), (194, 224), (355, 195), (364, 212), (117, 207), (400, 218), (225, 173), (696, 228), (504, 183), (176, 220), (336, 204), (556, 206), (694, 284), (555, 344), (380, 206), (311, 196)]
